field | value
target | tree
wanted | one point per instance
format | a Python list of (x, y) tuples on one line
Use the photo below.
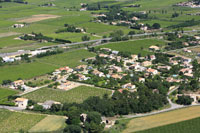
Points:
[(73, 115), (55, 107), (85, 38), (184, 100), (6, 82), (93, 122), (93, 116), (72, 129), (1, 61), (25, 57), (156, 26), (38, 108), (131, 33), (174, 15)]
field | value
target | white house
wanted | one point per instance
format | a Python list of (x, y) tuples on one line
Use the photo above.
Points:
[(128, 86), (48, 104), (134, 57), (18, 25), (18, 83), (152, 71), (21, 102), (156, 48)]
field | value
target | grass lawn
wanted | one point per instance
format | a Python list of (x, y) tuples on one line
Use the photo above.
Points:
[(4, 93), (77, 95), (148, 122), (49, 124), (134, 47), (11, 122), (43, 65), (189, 126)]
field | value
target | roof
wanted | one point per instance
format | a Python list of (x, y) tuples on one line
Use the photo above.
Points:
[(50, 102), (18, 81), (151, 70), (20, 99), (154, 47)]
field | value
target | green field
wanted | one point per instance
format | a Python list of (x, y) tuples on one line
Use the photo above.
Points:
[(11, 122), (4, 93), (77, 95), (12, 12), (49, 124), (43, 65), (189, 126), (134, 47)]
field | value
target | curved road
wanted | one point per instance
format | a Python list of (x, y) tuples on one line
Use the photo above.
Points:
[(173, 106)]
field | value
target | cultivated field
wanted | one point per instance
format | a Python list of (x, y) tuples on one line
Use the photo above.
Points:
[(11, 122), (134, 47), (8, 34), (152, 121), (4, 93), (189, 126), (49, 124), (43, 65), (77, 95)]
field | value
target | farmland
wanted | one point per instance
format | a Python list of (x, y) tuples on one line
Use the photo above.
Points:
[(4, 93), (43, 65), (77, 95), (144, 123), (187, 126), (15, 121), (49, 19), (49, 124), (134, 47)]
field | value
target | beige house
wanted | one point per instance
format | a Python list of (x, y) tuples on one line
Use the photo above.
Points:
[(18, 83), (21, 102), (152, 71), (128, 86), (134, 57), (146, 63), (154, 48)]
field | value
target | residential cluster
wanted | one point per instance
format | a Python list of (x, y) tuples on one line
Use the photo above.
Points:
[(192, 4), (115, 70)]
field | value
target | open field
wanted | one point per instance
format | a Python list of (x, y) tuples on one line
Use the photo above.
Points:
[(4, 93), (39, 17), (49, 124), (188, 126), (14, 121), (166, 118), (47, 20), (77, 95), (10, 42), (43, 65), (134, 47)]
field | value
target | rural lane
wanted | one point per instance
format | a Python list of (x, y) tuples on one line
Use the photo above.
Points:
[(173, 106)]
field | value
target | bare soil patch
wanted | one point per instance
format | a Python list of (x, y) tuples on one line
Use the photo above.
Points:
[(39, 17)]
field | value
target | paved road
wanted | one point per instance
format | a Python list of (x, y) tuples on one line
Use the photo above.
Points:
[(173, 106), (32, 89), (107, 39), (92, 41), (11, 108)]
